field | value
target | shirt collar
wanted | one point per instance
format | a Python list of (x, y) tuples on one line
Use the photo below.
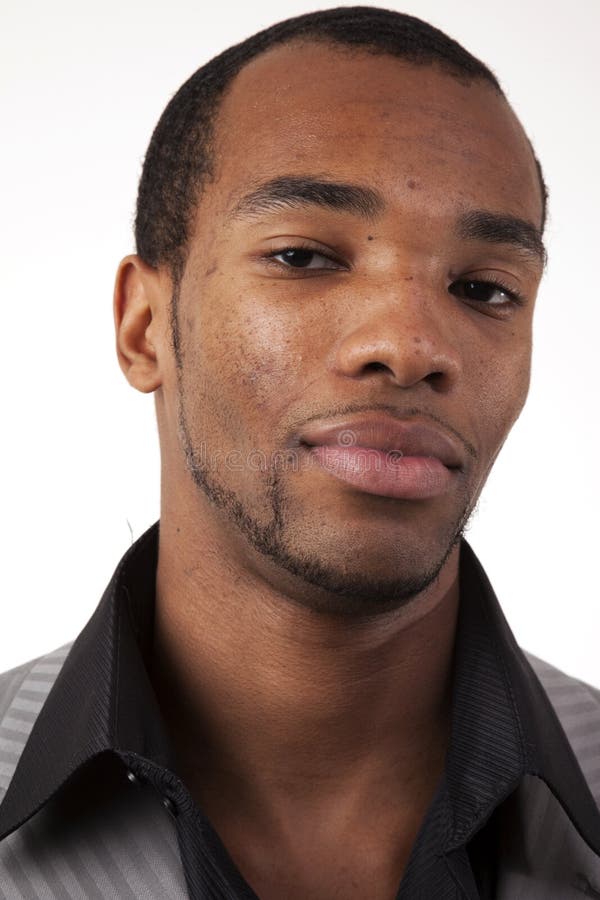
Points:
[(503, 725), (503, 722), (102, 699)]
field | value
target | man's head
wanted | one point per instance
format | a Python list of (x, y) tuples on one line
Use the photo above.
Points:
[(339, 230), (180, 157)]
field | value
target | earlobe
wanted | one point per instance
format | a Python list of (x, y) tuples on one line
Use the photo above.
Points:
[(135, 307)]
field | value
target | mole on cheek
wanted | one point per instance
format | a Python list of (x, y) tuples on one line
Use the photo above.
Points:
[(411, 184)]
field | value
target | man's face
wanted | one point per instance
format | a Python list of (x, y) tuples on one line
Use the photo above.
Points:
[(303, 316)]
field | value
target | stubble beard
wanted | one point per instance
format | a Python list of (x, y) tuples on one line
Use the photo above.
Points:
[(349, 594)]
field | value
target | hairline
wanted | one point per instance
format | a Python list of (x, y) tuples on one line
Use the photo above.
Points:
[(177, 267)]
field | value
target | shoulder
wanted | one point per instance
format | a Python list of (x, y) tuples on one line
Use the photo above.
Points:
[(23, 692), (577, 707), (43, 670), (562, 689), (9, 684)]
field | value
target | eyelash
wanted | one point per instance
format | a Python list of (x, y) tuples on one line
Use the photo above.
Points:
[(515, 298), (270, 257)]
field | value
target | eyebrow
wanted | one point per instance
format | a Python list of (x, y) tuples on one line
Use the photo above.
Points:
[(291, 192), (297, 191), (498, 228)]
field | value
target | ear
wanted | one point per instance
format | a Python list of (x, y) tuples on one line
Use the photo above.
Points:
[(137, 307)]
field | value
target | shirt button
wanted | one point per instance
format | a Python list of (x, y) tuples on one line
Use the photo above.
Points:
[(132, 778)]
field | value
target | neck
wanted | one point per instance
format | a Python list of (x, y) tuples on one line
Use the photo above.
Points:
[(267, 699)]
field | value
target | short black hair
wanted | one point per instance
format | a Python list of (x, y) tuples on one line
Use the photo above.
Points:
[(179, 158)]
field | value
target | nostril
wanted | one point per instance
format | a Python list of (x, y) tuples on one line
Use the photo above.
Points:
[(377, 367), (436, 378)]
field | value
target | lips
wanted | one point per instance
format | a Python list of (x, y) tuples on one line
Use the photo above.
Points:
[(391, 436), (386, 457)]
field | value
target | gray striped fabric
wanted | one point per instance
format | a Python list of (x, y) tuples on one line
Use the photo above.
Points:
[(577, 706), (544, 857), (128, 848), (125, 850), (22, 694)]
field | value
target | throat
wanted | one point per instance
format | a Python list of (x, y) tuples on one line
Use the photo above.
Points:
[(343, 842), (303, 737)]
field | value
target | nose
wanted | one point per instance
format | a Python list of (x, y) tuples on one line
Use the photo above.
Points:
[(405, 335)]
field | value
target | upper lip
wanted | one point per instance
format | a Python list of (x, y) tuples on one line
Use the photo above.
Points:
[(382, 432)]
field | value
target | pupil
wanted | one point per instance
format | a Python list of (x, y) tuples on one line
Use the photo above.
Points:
[(479, 290), (298, 258)]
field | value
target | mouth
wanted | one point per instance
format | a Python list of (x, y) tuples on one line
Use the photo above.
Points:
[(384, 456)]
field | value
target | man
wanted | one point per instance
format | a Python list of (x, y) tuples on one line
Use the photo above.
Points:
[(303, 686)]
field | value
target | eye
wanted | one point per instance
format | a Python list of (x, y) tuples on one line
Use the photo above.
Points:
[(490, 292), (303, 258)]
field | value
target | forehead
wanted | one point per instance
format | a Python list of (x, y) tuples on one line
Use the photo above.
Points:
[(375, 119)]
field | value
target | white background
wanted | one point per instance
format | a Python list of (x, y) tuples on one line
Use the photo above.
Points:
[(82, 87)]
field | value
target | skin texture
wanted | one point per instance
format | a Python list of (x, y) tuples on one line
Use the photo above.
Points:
[(304, 629)]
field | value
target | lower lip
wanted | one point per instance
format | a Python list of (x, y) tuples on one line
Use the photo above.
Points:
[(378, 472)]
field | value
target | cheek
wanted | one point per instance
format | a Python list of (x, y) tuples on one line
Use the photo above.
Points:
[(245, 359), (272, 349), (499, 390), (266, 359)]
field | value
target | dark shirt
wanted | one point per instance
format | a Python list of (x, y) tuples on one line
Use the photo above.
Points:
[(101, 724)]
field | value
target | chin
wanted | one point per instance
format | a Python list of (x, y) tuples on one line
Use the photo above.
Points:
[(359, 557), (358, 577)]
